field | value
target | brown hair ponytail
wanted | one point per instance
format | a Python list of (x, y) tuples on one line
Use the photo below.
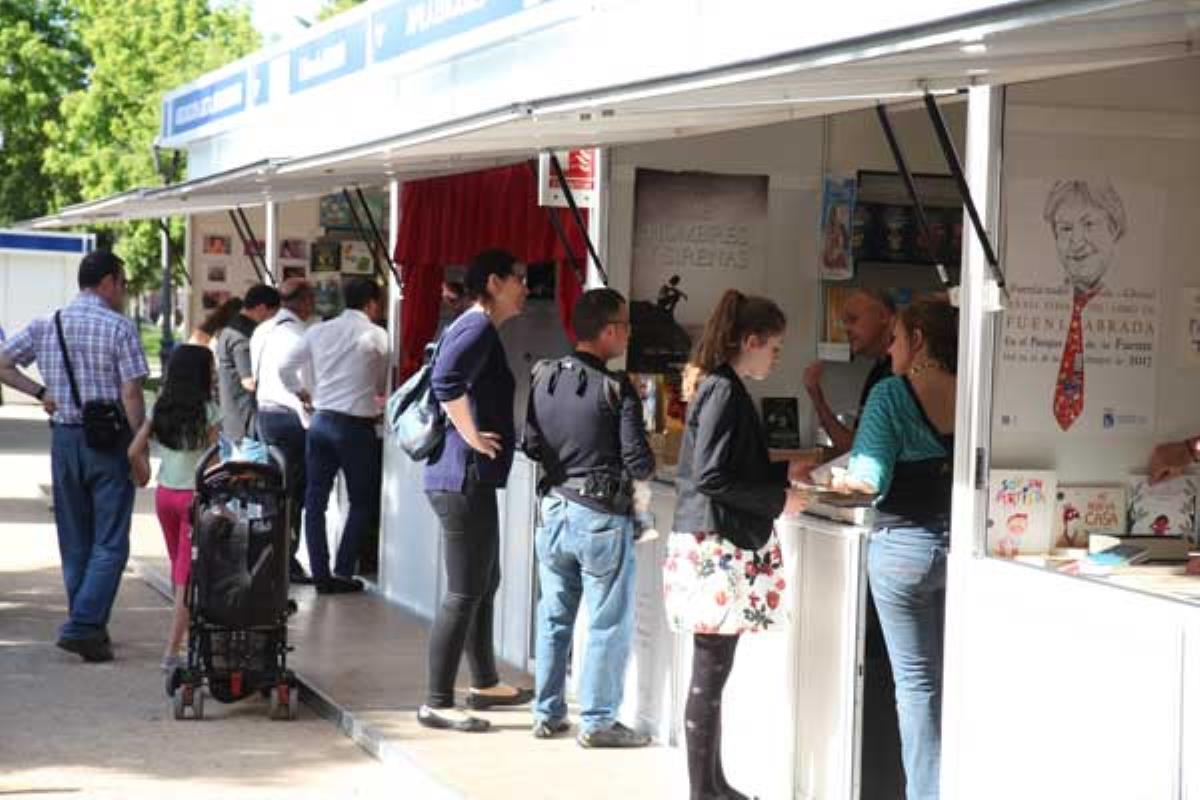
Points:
[(736, 317)]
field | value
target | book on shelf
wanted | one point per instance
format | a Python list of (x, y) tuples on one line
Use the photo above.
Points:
[(1167, 508), (1113, 559), (1020, 511), (1081, 511), (1158, 548), (781, 418)]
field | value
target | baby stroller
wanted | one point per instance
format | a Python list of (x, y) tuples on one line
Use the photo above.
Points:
[(237, 594)]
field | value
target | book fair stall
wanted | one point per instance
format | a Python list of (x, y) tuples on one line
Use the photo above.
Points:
[(1036, 162)]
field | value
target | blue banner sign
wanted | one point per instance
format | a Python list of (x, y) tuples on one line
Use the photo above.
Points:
[(333, 56), (407, 26), (37, 242), (199, 107)]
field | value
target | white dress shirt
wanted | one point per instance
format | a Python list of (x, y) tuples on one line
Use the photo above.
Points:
[(347, 357), (272, 342)]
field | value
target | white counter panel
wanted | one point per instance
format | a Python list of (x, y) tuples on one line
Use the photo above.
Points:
[(1069, 689), (410, 563)]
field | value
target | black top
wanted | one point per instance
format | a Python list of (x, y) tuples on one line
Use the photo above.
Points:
[(725, 479), (472, 362), (582, 419), (880, 370), (921, 491)]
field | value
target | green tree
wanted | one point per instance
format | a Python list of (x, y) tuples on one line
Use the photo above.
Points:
[(334, 7), (137, 51), (41, 59)]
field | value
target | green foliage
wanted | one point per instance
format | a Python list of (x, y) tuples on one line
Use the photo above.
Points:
[(334, 7), (41, 59), (137, 50)]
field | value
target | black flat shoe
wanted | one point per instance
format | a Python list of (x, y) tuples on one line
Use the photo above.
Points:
[(478, 701), (299, 577), (430, 718), (95, 651), (339, 585)]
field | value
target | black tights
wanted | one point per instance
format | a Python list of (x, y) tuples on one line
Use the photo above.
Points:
[(470, 541), (712, 661)]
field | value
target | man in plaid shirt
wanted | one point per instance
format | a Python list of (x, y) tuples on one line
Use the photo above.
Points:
[(93, 493)]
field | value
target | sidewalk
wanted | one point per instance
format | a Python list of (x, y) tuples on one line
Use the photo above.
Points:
[(361, 663)]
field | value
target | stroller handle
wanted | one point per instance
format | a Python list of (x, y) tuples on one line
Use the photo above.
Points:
[(213, 452)]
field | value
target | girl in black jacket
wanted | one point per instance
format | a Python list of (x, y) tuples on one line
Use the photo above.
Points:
[(723, 574)]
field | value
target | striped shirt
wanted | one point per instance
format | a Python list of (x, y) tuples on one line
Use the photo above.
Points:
[(104, 348), (892, 429)]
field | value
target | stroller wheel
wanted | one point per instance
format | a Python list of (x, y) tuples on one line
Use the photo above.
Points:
[(198, 703), (285, 703), (293, 701), (174, 679), (177, 706)]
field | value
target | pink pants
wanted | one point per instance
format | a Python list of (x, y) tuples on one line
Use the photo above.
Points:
[(173, 507)]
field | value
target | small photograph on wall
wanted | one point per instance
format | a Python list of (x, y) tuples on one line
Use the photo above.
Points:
[(216, 245), (295, 272), (356, 259), (326, 257), (293, 250), (328, 291), (216, 273), (253, 248), (212, 298), (837, 218)]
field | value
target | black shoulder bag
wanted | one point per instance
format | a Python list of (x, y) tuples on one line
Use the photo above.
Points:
[(104, 423)]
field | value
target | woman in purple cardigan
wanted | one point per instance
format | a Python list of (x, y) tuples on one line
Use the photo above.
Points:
[(472, 381)]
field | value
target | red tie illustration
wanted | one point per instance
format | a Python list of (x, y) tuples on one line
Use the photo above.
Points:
[(1068, 391)]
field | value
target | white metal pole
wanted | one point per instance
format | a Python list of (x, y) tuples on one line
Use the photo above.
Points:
[(977, 317), (598, 222), (271, 211)]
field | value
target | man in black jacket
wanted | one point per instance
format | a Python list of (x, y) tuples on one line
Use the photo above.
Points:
[(585, 425)]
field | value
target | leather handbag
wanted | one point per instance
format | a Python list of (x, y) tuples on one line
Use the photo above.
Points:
[(104, 425), (416, 421)]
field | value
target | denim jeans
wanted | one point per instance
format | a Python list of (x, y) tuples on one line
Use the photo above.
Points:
[(907, 571), (283, 429), (340, 442), (93, 505), (584, 554)]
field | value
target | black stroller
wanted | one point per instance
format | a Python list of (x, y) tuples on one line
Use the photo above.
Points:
[(237, 594)]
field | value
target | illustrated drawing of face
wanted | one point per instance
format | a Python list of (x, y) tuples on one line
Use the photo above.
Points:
[(1086, 221)]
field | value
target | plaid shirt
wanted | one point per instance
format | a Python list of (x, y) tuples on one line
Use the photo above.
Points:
[(104, 347)]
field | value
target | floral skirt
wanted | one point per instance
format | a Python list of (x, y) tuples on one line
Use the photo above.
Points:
[(712, 586)]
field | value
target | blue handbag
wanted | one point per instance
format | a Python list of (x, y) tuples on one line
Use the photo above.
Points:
[(415, 419)]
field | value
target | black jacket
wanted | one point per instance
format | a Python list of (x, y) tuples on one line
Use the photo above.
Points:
[(582, 419), (725, 480)]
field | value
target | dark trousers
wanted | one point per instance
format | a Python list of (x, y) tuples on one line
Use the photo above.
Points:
[(471, 543), (340, 442), (93, 505), (282, 428), (712, 661)]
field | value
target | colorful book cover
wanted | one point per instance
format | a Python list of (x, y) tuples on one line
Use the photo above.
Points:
[(1164, 509), (356, 259), (837, 215), (1021, 511), (835, 301), (1084, 510)]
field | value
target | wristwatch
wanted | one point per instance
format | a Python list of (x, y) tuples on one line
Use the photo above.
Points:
[(40, 393)]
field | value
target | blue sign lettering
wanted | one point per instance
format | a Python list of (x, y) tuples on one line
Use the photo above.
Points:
[(260, 83), (33, 241), (332, 56), (403, 27), (207, 104)]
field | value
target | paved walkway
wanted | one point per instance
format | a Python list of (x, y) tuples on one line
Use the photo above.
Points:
[(360, 661), (104, 730)]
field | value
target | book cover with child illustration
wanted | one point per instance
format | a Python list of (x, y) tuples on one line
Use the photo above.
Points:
[(1084, 510), (1020, 511)]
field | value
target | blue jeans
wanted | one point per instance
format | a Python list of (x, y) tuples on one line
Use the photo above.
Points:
[(284, 430), (340, 442), (93, 505), (907, 571), (584, 554)]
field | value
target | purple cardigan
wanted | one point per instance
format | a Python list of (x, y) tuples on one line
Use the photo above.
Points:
[(472, 362)]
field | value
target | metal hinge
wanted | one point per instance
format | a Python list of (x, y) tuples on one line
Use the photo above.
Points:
[(981, 469)]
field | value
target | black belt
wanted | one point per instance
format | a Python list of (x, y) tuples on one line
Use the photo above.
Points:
[(614, 493), (347, 417)]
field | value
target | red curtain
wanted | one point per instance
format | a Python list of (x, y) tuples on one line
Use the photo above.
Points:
[(448, 220)]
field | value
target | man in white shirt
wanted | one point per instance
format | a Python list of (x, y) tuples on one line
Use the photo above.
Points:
[(347, 357), (282, 418)]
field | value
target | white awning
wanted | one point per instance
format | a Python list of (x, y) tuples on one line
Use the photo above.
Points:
[(1017, 43)]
